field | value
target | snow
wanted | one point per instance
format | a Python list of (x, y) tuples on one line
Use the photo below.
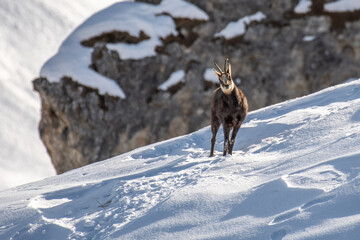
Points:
[(238, 28), (210, 76), (303, 6), (175, 78), (182, 9), (309, 38), (30, 31), (342, 6), (294, 174), (73, 59)]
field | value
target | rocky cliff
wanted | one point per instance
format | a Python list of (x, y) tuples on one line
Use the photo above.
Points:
[(278, 49)]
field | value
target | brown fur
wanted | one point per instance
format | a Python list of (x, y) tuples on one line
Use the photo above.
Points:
[(229, 109)]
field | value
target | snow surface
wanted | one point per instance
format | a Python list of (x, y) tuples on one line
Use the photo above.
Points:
[(210, 76), (73, 59), (295, 174), (30, 32), (175, 78), (303, 6), (238, 28), (309, 38), (342, 6)]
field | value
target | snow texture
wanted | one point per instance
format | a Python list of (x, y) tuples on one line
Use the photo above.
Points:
[(303, 6), (73, 59), (238, 28), (175, 78), (342, 6), (210, 76), (294, 174), (30, 32), (309, 38)]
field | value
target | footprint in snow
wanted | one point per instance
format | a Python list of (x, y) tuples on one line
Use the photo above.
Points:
[(292, 213), (284, 217), (323, 177), (316, 201)]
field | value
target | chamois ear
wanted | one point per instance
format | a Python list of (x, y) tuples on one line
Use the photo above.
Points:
[(216, 72), (228, 69), (226, 64)]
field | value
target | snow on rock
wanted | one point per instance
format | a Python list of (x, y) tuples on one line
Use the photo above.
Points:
[(309, 38), (73, 59), (72, 63), (182, 9), (294, 174), (342, 6), (303, 6), (210, 76), (175, 78), (238, 28)]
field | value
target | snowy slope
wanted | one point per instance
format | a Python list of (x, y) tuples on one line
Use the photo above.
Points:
[(30, 32), (295, 174)]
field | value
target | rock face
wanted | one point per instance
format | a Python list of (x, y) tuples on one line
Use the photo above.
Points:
[(282, 56)]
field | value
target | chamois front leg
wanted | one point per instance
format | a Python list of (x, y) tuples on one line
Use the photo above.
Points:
[(233, 137), (226, 139), (215, 124)]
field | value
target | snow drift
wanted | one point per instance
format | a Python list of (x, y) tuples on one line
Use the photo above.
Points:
[(295, 174)]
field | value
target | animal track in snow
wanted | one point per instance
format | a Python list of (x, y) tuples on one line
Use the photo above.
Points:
[(323, 177), (316, 201), (124, 199), (284, 216), (294, 212)]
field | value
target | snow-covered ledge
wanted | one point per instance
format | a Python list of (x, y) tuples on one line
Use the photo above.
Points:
[(238, 28), (73, 59), (175, 78)]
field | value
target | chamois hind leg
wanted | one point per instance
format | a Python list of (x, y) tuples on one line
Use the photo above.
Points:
[(215, 124), (233, 137), (226, 139)]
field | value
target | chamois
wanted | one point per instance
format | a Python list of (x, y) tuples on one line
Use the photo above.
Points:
[(229, 107)]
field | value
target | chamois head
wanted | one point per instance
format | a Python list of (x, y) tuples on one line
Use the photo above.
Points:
[(226, 83)]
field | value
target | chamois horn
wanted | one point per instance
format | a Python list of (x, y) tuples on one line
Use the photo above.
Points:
[(217, 66)]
